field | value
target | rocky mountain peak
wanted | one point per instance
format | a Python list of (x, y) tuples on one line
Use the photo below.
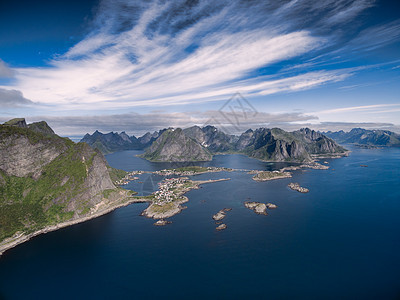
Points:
[(18, 122)]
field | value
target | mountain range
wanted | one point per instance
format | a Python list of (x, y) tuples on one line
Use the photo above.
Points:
[(199, 144), (113, 141), (364, 137)]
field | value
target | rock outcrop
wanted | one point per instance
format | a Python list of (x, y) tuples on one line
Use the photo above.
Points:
[(221, 227), (258, 207), (296, 187), (41, 127)]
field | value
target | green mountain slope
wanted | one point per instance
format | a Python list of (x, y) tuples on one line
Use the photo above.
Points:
[(46, 180)]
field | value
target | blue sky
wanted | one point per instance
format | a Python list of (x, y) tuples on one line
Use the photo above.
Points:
[(144, 65)]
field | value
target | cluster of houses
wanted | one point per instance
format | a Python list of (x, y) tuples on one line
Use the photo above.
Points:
[(169, 172), (166, 193), (128, 177)]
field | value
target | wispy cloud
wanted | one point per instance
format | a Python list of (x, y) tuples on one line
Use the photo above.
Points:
[(376, 37), (369, 108), (170, 53)]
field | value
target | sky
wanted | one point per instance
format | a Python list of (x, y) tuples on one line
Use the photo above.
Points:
[(139, 66)]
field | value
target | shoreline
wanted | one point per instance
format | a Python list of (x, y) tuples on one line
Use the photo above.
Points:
[(20, 238), (177, 207)]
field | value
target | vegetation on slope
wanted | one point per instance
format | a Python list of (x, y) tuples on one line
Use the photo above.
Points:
[(60, 193)]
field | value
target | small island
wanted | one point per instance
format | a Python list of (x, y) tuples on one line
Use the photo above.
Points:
[(162, 222), (297, 187), (221, 227), (219, 215), (312, 165), (192, 170), (258, 207), (269, 175)]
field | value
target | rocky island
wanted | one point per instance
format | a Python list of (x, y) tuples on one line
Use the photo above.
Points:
[(297, 187), (219, 216), (269, 175), (221, 227), (258, 207)]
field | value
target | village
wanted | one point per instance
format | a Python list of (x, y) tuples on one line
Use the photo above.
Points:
[(128, 177), (169, 190), (189, 171)]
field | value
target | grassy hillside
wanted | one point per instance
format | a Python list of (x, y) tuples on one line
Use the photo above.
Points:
[(28, 204)]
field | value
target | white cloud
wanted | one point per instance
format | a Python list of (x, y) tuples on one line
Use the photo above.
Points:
[(146, 61), (352, 109)]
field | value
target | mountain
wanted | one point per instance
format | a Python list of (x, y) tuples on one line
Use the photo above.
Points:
[(278, 145), (41, 127), (174, 146), (46, 180), (211, 138), (366, 137), (147, 139), (316, 143), (266, 144), (113, 141), (272, 145)]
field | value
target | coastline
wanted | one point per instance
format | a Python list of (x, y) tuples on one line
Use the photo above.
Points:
[(20, 238), (176, 208)]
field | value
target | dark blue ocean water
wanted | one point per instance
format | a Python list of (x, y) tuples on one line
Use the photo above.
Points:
[(339, 241)]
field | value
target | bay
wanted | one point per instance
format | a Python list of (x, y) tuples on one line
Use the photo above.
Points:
[(340, 240)]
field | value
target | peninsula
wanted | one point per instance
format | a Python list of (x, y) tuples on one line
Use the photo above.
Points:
[(166, 202)]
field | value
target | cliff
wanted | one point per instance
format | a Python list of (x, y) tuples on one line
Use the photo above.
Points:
[(46, 180), (174, 146)]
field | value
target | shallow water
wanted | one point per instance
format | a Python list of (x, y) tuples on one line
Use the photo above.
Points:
[(340, 240)]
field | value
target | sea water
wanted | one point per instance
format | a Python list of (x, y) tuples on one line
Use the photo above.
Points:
[(339, 241)]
